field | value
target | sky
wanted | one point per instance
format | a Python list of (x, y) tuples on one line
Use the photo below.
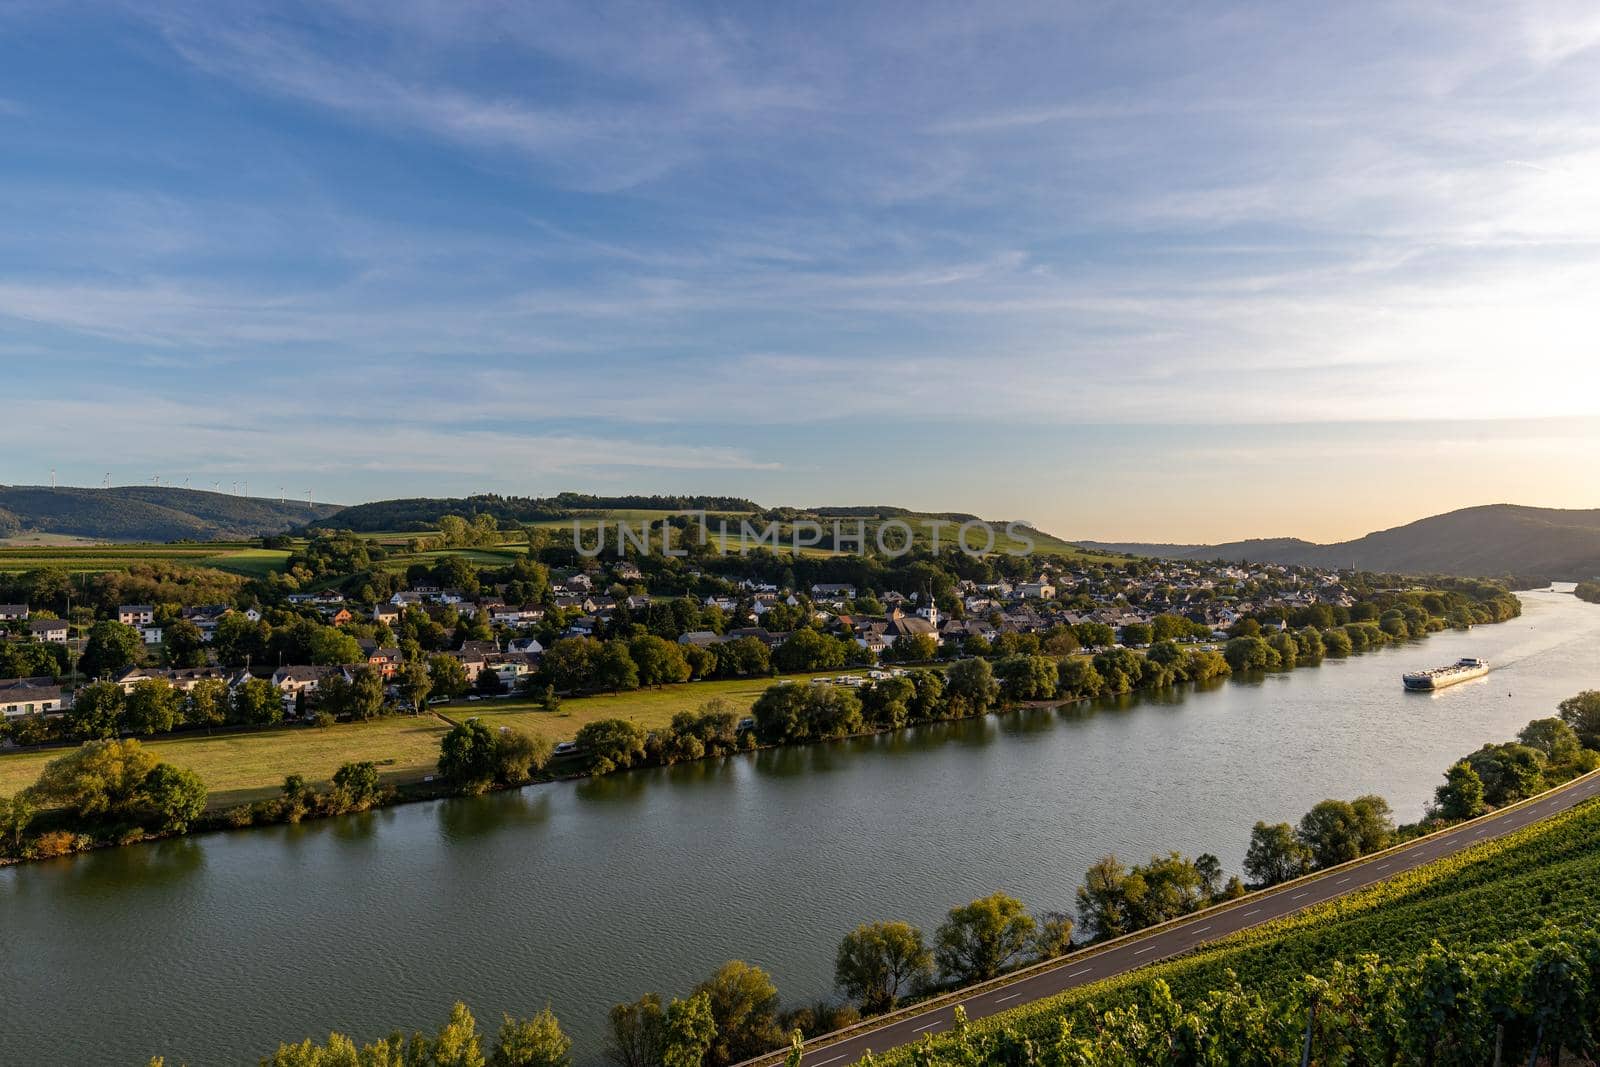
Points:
[(1128, 271)]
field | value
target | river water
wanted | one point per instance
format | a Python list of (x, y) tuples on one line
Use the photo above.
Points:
[(211, 949)]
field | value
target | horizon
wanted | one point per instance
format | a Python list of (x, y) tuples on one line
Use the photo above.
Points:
[(1157, 276), (1022, 519)]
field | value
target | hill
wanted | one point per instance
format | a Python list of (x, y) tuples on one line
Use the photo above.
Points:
[(147, 513), (415, 514), (1486, 541)]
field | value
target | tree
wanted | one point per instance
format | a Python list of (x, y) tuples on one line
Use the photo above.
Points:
[(170, 798), (416, 683), (16, 813), (257, 702), (878, 962), (1027, 677), (448, 676), (1054, 937), (614, 668), (1275, 854), (330, 647), (637, 1033), (744, 1004), (808, 650), (1078, 678), (1250, 653), (519, 755), (569, 662), (659, 662), (1583, 714), (467, 753), (358, 697), (1103, 899), (1461, 796), (535, 1042), (744, 658), (112, 648), (1330, 832), (101, 779), (183, 645), (152, 707), (207, 703), (611, 744), (1553, 737), (96, 711), (972, 683), (980, 939), (458, 1043), (357, 784), (1510, 772), (690, 1031)]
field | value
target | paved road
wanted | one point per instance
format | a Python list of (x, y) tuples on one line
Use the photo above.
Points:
[(1200, 928)]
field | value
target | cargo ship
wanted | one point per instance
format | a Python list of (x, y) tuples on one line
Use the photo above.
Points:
[(1462, 670)]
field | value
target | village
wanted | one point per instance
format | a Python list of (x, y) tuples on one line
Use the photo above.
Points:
[(503, 646)]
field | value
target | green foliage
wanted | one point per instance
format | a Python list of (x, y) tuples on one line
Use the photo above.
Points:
[(466, 754), (791, 714), (743, 1003), (877, 963), (1461, 796), (357, 784), (96, 711), (1582, 713), (1276, 854), (972, 684), (979, 940), (111, 649), (611, 744), (119, 783)]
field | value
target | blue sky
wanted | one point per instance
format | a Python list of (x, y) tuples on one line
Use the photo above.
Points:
[(1176, 272)]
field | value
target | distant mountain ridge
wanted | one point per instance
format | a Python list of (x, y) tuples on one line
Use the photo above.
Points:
[(1487, 541), (148, 513)]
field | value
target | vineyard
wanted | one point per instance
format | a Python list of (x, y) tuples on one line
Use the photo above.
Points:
[(1484, 900)]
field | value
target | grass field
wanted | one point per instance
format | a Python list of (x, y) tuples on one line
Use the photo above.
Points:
[(249, 766), (650, 708), (236, 557)]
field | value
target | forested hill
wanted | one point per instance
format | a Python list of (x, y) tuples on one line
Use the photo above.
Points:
[(147, 513), (1487, 541), (422, 513)]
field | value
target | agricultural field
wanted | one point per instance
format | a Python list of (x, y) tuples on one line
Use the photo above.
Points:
[(239, 557), (242, 767)]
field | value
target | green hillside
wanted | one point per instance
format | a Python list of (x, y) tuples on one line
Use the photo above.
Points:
[(147, 513)]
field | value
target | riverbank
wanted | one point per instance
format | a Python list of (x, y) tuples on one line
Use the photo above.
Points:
[(256, 766), (586, 892)]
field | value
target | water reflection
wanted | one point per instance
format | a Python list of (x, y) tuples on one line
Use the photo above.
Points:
[(467, 818)]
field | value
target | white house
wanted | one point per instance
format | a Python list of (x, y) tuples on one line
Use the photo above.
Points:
[(29, 696)]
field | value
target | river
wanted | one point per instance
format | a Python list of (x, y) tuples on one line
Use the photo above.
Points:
[(211, 949)]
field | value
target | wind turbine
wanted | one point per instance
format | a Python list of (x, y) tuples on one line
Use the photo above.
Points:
[(105, 483), (52, 477)]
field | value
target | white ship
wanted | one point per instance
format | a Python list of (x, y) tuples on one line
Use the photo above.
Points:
[(1462, 670)]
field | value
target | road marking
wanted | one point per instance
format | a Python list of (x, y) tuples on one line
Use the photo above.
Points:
[(1200, 930), (1008, 996), (930, 1026), (1249, 913), (1381, 866), (1297, 896), (1082, 970), (1142, 951), (1342, 881), (819, 1063)]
